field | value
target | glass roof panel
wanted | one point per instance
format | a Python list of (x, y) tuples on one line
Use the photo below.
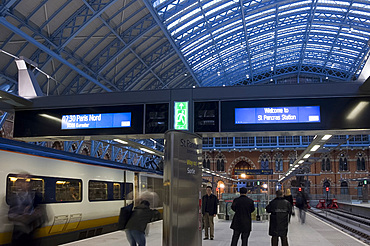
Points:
[(220, 46)]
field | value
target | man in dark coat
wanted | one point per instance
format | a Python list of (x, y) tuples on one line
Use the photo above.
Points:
[(136, 225), (301, 204), (281, 211), (209, 211), (242, 221)]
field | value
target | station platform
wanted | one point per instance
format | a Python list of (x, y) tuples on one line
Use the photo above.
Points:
[(313, 233), (362, 209)]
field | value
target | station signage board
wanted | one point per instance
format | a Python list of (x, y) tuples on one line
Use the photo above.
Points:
[(254, 171), (91, 121), (305, 114)]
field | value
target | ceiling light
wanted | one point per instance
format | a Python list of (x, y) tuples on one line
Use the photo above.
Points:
[(120, 141), (306, 156), (51, 117), (315, 147), (326, 137), (296, 166), (147, 150), (360, 106), (301, 161)]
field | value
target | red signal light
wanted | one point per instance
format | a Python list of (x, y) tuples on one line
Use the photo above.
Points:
[(327, 188), (299, 189)]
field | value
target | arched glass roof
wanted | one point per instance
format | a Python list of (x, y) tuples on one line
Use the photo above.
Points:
[(228, 42), (94, 46)]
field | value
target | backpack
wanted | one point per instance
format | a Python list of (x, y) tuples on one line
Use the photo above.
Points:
[(124, 216), (299, 201)]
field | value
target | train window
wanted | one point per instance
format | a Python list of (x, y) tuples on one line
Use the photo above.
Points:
[(98, 191), (68, 190), (17, 183), (116, 191), (129, 191)]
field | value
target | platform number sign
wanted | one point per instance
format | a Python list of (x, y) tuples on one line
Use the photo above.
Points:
[(181, 115)]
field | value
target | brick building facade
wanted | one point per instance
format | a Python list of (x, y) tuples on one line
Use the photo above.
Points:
[(337, 169)]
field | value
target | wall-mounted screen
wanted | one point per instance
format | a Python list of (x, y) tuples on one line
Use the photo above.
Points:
[(305, 114), (91, 121), (87, 121)]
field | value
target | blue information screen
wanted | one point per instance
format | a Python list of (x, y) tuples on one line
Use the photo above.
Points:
[(91, 121), (304, 114)]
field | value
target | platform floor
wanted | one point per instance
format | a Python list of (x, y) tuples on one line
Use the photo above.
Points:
[(313, 233)]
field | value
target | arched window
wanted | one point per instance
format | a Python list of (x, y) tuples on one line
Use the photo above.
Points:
[(360, 162), (325, 164), (204, 163), (278, 163), (344, 188), (343, 164), (218, 165), (208, 164), (328, 165), (292, 157), (264, 160)]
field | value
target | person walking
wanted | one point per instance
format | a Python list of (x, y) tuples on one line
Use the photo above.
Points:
[(301, 204), (281, 211), (136, 225), (209, 211), (26, 211), (242, 220)]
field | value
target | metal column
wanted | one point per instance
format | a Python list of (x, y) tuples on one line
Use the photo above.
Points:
[(182, 183)]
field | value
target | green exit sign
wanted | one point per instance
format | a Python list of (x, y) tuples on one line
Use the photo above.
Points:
[(181, 115)]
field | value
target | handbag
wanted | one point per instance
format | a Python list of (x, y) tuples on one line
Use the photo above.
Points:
[(124, 216)]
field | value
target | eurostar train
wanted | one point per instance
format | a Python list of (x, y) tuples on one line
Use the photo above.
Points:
[(83, 196)]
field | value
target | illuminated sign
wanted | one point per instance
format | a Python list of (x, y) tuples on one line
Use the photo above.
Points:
[(305, 114), (181, 116), (253, 171), (90, 121)]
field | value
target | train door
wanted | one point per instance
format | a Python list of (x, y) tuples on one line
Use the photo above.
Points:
[(136, 186)]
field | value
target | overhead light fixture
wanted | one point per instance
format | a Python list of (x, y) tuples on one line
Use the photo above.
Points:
[(360, 106), (296, 166), (51, 117), (301, 161), (120, 141), (147, 150), (315, 147), (326, 137), (306, 156)]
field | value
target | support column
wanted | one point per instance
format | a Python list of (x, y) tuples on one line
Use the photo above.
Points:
[(182, 179)]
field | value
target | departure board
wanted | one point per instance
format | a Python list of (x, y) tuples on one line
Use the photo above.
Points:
[(91, 121), (305, 114)]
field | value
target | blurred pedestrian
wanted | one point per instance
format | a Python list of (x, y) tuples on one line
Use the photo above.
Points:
[(25, 211), (288, 196), (242, 220), (136, 225), (301, 204), (280, 210), (209, 211)]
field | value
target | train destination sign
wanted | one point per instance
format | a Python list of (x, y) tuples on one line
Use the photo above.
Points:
[(254, 171), (91, 121), (304, 114)]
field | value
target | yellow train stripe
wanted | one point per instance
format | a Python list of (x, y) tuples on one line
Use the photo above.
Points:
[(5, 237)]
